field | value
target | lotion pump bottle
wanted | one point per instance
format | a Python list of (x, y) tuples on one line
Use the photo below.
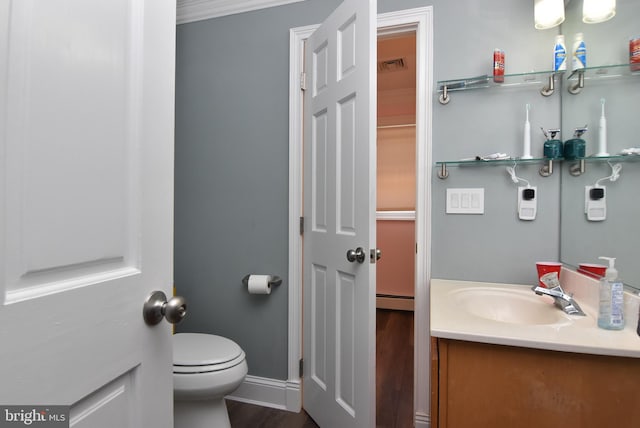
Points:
[(611, 307)]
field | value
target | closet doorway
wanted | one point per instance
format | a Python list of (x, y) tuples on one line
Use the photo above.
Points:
[(396, 171), (418, 21), (395, 228)]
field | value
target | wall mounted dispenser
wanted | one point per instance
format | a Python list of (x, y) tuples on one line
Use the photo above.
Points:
[(527, 202), (595, 203), (527, 196)]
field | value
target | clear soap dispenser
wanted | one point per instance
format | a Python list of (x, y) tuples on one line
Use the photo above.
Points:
[(611, 307)]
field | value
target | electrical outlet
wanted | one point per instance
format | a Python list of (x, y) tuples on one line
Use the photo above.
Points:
[(595, 203), (527, 202)]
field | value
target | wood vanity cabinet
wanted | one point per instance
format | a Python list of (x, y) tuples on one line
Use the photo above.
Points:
[(482, 385)]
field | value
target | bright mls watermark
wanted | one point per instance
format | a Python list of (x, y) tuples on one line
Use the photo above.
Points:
[(34, 416)]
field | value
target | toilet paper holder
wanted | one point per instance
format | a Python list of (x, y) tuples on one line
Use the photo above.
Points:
[(275, 280)]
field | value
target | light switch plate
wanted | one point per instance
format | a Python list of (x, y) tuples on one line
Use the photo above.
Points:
[(596, 209), (465, 201), (527, 206)]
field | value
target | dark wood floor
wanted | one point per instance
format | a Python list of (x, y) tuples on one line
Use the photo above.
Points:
[(394, 369), (394, 382)]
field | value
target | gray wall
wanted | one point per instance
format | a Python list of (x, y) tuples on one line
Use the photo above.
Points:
[(231, 202), (496, 246), (584, 241)]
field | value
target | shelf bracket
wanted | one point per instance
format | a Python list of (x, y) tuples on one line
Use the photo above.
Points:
[(577, 169), (547, 169), (444, 96), (442, 172), (577, 88), (548, 90)]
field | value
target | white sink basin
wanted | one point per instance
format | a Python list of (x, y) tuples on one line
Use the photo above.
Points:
[(513, 315), (515, 306)]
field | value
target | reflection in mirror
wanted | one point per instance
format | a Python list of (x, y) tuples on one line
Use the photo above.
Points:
[(618, 235)]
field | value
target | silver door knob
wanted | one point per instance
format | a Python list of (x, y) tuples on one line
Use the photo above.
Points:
[(356, 255), (156, 307), (375, 255)]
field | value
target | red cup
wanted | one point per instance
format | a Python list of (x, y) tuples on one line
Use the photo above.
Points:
[(592, 270), (546, 267)]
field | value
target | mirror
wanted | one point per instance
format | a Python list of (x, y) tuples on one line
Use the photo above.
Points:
[(583, 241)]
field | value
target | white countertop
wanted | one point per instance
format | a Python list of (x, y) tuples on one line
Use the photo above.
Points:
[(450, 319)]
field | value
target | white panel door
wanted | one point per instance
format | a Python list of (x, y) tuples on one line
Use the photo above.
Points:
[(86, 194), (339, 210)]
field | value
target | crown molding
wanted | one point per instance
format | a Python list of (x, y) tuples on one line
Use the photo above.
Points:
[(198, 10)]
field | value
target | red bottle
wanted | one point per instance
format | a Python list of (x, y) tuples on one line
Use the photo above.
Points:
[(634, 53), (498, 65)]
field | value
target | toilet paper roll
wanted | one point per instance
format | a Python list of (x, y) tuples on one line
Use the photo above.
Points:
[(259, 284)]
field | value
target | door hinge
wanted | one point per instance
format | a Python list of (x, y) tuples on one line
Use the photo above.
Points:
[(301, 225), (303, 81), (301, 367)]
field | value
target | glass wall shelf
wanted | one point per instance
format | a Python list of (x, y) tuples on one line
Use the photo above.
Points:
[(577, 167), (548, 77), (600, 73), (444, 173), (509, 80)]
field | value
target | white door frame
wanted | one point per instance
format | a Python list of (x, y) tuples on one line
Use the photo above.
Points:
[(420, 21)]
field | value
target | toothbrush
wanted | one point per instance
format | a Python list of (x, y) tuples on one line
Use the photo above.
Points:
[(527, 136), (602, 133)]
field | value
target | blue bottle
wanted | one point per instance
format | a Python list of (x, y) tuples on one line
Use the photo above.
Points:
[(559, 54)]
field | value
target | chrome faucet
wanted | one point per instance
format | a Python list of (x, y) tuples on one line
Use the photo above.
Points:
[(561, 299)]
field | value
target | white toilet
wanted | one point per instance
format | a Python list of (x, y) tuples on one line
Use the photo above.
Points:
[(206, 368)]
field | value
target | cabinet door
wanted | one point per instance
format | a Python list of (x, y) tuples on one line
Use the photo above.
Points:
[(491, 386)]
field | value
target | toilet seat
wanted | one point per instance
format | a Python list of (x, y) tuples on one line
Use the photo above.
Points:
[(204, 353)]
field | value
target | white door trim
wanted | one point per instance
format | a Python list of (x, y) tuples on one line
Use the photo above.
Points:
[(419, 20)]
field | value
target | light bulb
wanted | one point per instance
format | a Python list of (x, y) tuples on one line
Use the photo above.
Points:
[(594, 11), (548, 13)]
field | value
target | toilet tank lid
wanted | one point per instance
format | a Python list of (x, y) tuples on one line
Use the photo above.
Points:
[(198, 349)]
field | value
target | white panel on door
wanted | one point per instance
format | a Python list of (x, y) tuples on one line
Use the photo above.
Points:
[(321, 69), (319, 147), (86, 196), (346, 165), (319, 320), (108, 407), (345, 352), (347, 48), (72, 196)]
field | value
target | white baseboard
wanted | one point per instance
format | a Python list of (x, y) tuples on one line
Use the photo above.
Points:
[(286, 395), (278, 394), (422, 420)]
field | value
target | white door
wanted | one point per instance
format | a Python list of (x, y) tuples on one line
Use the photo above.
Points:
[(339, 210), (86, 194)]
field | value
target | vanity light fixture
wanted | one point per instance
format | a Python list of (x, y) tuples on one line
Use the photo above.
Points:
[(548, 13), (595, 11)]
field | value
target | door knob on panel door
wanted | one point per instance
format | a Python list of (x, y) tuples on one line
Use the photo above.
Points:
[(356, 255), (156, 307)]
